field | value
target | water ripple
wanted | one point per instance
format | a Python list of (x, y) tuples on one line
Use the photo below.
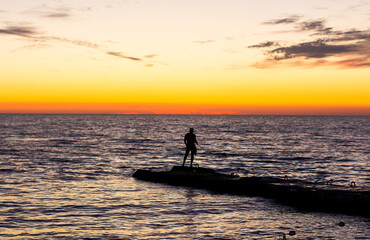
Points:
[(69, 176)]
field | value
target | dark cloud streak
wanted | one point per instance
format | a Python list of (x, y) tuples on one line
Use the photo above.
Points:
[(30, 33), (351, 47), (288, 20), (120, 55), (318, 49), (312, 25), (23, 31), (264, 44), (57, 15)]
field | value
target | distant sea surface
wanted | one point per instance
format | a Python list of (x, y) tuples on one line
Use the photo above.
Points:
[(69, 176)]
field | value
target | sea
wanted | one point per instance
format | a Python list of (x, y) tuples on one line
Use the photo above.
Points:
[(70, 176)]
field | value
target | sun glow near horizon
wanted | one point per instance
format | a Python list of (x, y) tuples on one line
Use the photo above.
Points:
[(193, 57)]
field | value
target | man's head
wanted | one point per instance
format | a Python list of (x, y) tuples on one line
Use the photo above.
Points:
[(191, 130)]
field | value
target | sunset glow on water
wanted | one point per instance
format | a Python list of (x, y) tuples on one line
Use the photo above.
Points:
[(70, 176)]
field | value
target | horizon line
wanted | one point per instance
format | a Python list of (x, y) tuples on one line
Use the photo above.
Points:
[(185, 114), (183, 109)]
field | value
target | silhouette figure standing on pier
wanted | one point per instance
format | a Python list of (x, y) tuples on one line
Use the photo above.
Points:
[(190, 140)]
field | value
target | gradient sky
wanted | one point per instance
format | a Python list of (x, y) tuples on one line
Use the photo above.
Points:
[(189, 56)]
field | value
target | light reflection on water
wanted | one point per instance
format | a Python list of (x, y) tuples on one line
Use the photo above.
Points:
[(69, 177)]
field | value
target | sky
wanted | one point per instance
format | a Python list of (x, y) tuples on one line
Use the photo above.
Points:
[(306, 57)]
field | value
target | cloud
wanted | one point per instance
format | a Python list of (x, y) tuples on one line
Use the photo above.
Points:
[(205, 42), (354, 62), (32, 46), (50, 12), (20, 30), (75, 42), (312, 25), (307, 25), (317, 27), (346, 63), (335, 36), (120, 55), (317, 49), (150, 55), (31, 34), (57, 15), (350, 48), (264, 44), (288, 20)]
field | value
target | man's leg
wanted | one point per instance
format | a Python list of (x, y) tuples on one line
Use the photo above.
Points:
[(186, 155), (192, 158)]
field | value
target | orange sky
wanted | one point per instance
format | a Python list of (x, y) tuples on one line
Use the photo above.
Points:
[(116, 108), (185, 57)]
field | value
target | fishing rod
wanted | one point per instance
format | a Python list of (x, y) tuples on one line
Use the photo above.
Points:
[(223, 154), (201, 147)]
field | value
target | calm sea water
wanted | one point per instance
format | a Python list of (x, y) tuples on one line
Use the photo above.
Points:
[(69, 176)]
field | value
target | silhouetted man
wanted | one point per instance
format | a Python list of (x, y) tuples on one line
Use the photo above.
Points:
[(190, 140)]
